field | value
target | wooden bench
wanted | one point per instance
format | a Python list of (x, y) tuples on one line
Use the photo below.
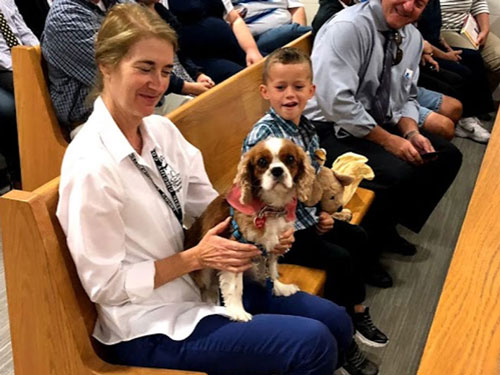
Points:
[(41, 141), (51, 317), (464, 338)]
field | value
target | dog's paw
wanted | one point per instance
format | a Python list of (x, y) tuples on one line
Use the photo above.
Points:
[(238, 315), (344, 215), (284, 290)]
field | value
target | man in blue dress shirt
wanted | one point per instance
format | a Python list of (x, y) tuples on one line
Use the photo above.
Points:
[(359, 106)]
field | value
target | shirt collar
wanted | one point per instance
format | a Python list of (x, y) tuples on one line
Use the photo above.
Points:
[(113, 138), (290, 127), (378, 15)]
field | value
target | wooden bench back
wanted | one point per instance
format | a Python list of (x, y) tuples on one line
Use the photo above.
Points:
[(217, 122), (41, 141), (51, 316)]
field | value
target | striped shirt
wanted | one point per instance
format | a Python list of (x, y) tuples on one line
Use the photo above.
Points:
[(272, 125), (454, 12)]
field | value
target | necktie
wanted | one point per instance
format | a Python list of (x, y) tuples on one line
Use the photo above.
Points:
[(380, 103), (8, 35)]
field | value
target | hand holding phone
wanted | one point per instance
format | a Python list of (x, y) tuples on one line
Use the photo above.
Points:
[(428, 156)]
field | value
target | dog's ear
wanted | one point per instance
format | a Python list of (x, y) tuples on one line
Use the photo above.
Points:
[(344, 179), (305, 177), (244, 178)]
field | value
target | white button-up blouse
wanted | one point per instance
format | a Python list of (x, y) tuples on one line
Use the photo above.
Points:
[(117, 225)]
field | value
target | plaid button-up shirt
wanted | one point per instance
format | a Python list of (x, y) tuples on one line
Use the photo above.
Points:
[(68, 47), (272, 125)]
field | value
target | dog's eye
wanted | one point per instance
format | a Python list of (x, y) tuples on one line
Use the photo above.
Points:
[(289, 159), (262, 163), (332, 197)]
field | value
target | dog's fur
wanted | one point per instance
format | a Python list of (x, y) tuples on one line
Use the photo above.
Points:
[(275, 171)]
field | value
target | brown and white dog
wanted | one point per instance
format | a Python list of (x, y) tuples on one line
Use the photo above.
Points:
[(270, 178)]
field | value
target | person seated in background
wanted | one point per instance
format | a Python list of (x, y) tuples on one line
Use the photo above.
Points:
[(34, 13), (68, 48), (372, 110), (186, 70), (459, 73), (339, 248), (13, 32), (123, 165), (214, 36), (273, 23), (454, 14), (327, 8), (438, 113)]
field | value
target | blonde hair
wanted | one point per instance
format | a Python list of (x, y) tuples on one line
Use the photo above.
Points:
[(125, 25), (285, 56)]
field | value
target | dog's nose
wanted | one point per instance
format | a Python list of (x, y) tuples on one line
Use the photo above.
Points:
[(340, 209), (277, 171)]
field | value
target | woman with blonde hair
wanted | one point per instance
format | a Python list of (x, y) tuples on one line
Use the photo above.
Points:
[(128, 181)]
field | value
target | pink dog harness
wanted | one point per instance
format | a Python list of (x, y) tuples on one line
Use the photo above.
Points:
[(259, 209)]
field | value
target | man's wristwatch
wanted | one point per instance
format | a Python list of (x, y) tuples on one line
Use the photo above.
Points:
[(410, 134)]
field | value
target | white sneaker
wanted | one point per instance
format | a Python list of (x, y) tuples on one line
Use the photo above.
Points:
[(470, 127)]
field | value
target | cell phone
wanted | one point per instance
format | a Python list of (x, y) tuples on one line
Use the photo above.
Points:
[(430, 156)]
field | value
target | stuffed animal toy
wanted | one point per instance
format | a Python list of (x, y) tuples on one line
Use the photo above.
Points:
[(353, 165), (333, 188)]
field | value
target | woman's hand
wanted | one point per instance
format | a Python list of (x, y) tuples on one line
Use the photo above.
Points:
[(253, 56), (195, 88), (427, 59), (223, 254), (481, 38), (325, 223), (286, 240), (445, 44), (454, 55), (205, 80)]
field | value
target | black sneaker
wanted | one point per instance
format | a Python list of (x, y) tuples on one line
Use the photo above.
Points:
[(377, 276), (356, 363), (366, 331), (397, 244)]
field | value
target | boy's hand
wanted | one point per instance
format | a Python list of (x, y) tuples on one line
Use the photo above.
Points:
[(325, 223), (286, 241)]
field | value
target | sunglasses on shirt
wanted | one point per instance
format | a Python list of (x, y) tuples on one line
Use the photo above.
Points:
[(398, 39)]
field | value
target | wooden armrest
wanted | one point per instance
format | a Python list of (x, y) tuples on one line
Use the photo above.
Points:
[(359, 204)]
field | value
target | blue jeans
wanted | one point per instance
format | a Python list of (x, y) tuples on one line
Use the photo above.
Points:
[(297, 335), (429, 101), (278, 36)]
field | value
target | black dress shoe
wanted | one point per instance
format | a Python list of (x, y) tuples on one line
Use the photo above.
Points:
[(377, 276), (399, 245)]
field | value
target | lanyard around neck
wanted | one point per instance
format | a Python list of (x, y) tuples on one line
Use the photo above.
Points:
[(175, 205)]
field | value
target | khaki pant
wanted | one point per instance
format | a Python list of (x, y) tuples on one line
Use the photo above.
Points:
[(490, 51)]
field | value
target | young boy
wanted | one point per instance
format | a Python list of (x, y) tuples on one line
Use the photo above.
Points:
[(339, 249)]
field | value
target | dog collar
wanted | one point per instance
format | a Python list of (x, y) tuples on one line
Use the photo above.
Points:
[(258, 209)]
